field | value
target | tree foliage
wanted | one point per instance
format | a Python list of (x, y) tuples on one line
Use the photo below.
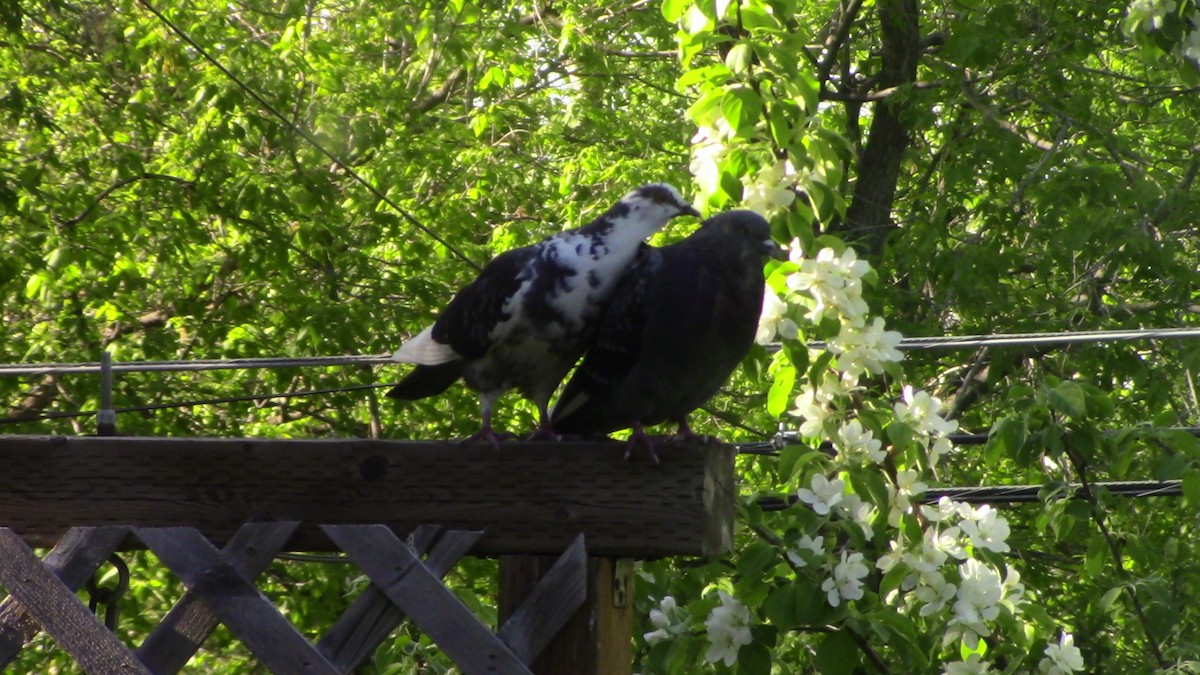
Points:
[(1002, 167)]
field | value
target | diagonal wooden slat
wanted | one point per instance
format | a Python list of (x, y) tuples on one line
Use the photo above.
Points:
[(549, 606), (179, 635), (419, 593), (60, 613), (244, 610), (73, 560), (372, 617)]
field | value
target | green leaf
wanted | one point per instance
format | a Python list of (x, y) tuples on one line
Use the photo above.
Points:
[(780, 395), (754, 659), (837, 654), (742, 108), (1069, 399), (1191, 487), (673, 9), (739, 57), (780, 606)]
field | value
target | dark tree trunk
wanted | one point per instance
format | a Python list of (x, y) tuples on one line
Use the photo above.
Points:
[(869, 217)]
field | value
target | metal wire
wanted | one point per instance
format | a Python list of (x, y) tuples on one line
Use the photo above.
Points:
[(192, 365), (1018, 494), (1037, 339)]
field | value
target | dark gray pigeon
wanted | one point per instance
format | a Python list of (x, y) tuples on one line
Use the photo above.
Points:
[(681, 319), (525, 320)]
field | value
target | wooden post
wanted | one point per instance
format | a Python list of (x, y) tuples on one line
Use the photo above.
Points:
[(597, 640)]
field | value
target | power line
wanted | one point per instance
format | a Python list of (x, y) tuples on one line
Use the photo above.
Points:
[(908, 343), (1037, 339), (1018, 494), (194, 364), (303, 133), (187, 404)]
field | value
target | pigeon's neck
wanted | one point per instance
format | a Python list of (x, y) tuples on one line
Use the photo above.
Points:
[(625, 225)]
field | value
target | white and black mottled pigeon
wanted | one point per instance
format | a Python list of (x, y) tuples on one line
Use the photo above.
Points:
[(524, 322), (682, 318)]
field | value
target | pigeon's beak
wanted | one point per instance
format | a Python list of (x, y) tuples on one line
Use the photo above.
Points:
[(689, 211), (774, 250)]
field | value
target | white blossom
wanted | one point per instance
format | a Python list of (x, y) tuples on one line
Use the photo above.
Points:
[(974, 665), (728, 628), (666, 620), (945, 509), (1190, 46), (1149, 14), (815, 404), (908, 486), (934, 593), (865, 349), (815, 546), (772, 322), (835, 284), (823, 495), (979, 594), (919, 410), (855, 442), (708, 149), (987, 529), (1062, 658), (846, 582), (770, 191), (858, 511)]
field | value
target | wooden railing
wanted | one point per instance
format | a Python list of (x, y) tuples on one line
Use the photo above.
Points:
[(216, 511)]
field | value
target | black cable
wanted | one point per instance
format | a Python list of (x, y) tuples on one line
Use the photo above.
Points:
[(295, 128), (1016, 494), (203, 401)]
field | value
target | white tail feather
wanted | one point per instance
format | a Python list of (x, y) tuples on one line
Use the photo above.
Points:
[(424, 350)]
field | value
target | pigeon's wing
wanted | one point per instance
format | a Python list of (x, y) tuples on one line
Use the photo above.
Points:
[(665, 349), (468, 321), (611, 354)]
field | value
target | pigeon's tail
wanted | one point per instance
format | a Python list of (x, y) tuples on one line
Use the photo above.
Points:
[(579, 418), (426, 381)]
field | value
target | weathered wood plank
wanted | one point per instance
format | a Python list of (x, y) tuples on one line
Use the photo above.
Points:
[(73, 560), (527, 498), (244, 610), (597, 639), (419, 593), (372, 617), (60, 613), (554, 600), (179, 635)]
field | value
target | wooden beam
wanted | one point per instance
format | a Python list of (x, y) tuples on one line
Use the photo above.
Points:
[(527, 498), (597, 640)]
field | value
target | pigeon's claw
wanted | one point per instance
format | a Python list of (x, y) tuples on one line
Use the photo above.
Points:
[(639, 437), (545, 432), (487, 434)]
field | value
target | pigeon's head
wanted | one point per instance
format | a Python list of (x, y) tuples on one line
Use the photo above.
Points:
[(649, 207), (743, 231)]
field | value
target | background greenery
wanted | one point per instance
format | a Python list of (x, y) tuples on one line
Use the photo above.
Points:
[(1004, 166)]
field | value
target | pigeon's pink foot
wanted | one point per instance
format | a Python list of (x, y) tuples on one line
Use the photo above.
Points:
[(545, 432), (639, 437), (486, 434), (685, 434)]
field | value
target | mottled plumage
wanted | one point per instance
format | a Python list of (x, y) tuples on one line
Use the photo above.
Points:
[(681, 319), (525, 320)]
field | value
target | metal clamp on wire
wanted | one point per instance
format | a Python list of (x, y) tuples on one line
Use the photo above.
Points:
[(106, 417)]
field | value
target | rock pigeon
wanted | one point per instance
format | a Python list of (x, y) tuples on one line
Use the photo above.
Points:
[(524, 322), (681, 319)]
